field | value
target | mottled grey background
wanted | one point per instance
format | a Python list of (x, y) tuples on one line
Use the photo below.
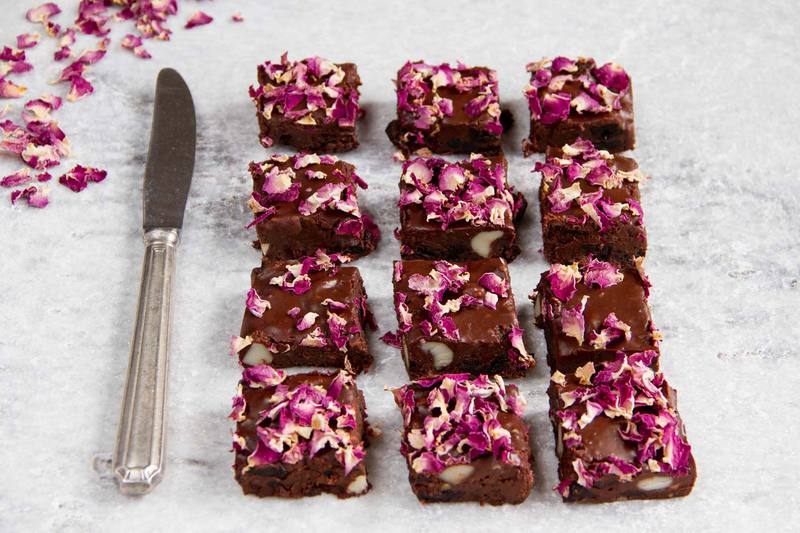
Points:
[(716, 88)]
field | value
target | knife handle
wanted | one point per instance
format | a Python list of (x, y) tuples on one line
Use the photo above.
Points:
[(138, 462)]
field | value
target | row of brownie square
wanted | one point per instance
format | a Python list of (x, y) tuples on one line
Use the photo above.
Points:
[(313, 105), (306, 434), (596, 320), (464, 438)]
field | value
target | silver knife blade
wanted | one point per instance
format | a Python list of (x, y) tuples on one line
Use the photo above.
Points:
[(170, 158)]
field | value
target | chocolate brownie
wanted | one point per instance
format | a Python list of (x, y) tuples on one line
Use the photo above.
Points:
[(445, 109), (306, 202), (457, 318), (299, 435), (589, 202), (570, 99), (591, 311), (464, 440), (311, 104), (458, 211), (618, 433), (311, 312)]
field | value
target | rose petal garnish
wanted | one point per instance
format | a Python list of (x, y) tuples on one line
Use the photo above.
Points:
[(307, 321), (260, 376), (563, 280), (601, 273), (255, 304), (238, 344), (572, 321), (392, 338)]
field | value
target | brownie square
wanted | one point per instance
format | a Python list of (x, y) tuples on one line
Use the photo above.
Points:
[(446, 109), (570, 99), (299, 435), (618, 433), (306, 313), (589, 205), (464, 440), (591, 311), (306, 202), (311, 104), (455, 318), (458, 211)]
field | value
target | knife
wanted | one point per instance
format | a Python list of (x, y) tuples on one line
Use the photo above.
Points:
[(138, 461)]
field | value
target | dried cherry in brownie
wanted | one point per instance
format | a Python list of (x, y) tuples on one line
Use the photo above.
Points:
[(311, 312), (458, 211), (305, 202), (299, 435), (311, 104), (592, 310), (569, 99), (446, 109), (618, 433), (464, 440), (457, 317), (589, 205)]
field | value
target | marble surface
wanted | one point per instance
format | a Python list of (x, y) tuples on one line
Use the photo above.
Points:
[(716, 112)]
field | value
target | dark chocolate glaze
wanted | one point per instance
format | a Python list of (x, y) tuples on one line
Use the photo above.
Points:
[(321, 137), (276, 326), (626, 299), (484, 333), (289, 235), (566, 242), (601, 439), (321, 474), (492, 481)]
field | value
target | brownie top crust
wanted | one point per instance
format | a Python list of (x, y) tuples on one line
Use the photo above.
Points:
[(597, 297), (472, 192), (429, 95), (560, 85), (453, 420), (287, 419), (617, 419), (308, 92), (313, 302), (581, 185), (310, 185)]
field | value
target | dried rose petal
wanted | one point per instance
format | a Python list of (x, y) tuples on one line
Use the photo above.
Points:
[(78, 178), (20, 177), (601, 273), (307, 321), (43, 12), (564, 280), (9, 89), (198, 19), (237, 17), (28, 40), (34, 195), (572, 321), (255, 304)]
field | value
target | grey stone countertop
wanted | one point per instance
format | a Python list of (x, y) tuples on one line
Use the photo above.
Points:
[(716, 115)]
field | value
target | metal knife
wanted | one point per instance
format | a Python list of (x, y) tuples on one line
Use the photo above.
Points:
[(138, 461)]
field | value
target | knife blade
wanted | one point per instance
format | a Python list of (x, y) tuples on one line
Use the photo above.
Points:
[(138, 461)]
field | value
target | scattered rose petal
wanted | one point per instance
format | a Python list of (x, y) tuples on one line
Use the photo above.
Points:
[(198, 19), (28, 40), (255, 304), (79, 177)]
